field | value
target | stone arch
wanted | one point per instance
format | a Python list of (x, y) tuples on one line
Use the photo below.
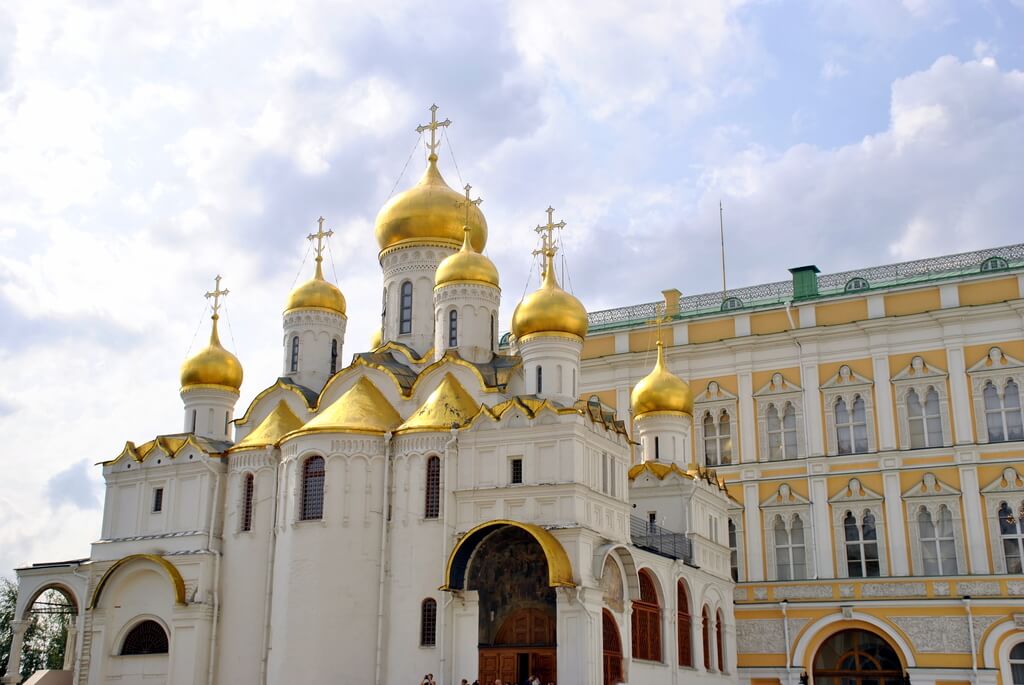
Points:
[(170, 569), (66, 590), (559, 566), (996, 641), (625, 561), (814, 634), (131, 623)]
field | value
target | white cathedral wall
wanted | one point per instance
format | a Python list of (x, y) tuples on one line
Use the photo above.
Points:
[(416, 264), (477, 307), (316, 328)]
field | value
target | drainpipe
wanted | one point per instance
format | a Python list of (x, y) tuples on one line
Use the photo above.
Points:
[(268, 591), (807, 433), (216, 573), (784, 604), (442, 615), (384, 516), (974, 647)]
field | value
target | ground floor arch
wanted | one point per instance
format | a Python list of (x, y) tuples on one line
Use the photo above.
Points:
[(49, 619), (611, 649), (856, 656)]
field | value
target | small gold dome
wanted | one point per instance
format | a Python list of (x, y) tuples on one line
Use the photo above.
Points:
[(318, 293), (212, 365), (377, 339), (549, 309), (661, 390), (466, 265), (429, 212)]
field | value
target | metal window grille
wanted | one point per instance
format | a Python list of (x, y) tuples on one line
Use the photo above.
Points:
[(334, 356), (646, 622), (684, 626), (158, 499), (453, 328), (517, 471), (248, 489), (147, 637), (294, 364), (313, 489), (432, 506), (405, 309), (428, 623)]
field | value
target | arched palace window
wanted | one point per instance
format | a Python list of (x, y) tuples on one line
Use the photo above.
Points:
[(647, 621), (313, 474), (684, 626), (148, 637), (717, 439)]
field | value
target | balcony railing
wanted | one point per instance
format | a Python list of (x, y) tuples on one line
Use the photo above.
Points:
[(654, 538)]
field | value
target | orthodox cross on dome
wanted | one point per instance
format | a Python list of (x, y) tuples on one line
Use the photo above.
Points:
[(432, 127), (319, 238), (467, 203), (216, 295), (547, 234)]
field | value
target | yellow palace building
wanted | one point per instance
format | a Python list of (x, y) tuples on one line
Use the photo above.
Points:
[(869, 430)]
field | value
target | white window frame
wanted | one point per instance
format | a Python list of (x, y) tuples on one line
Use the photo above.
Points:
[(932, 494), (1009, 488), (848, 385), (715, 400), (735, 515), (786, 504), (919, 376), (857, 499), (998, 368), (778, 391)]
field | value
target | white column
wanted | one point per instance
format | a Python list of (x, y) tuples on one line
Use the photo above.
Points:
[(69, 645), (883, 401), (752, 523), (960, 401), (895, 528), (974, 519), (822, 529), (810, 381), (748, 441), (13, 675), (578, 656), (464, 653)]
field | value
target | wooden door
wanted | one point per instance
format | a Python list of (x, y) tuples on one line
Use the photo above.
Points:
[(611, 649)]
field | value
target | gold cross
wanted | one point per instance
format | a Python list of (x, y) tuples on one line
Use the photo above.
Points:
[(319, 238), (216, 295), (547, 234), (467, 203), (432, 127)]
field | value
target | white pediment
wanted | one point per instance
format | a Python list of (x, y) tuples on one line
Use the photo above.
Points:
[(855, 492), (714, 393), (778, 385), (1010, 480), (918, 369), (784, 497), (930, 486), (995, 360), (845, 377)]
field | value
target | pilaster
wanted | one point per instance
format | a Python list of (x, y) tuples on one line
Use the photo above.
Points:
[(752, 523)]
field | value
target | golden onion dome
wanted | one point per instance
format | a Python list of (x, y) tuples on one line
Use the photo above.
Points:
[(661, 391), (429, 212), (466, 265), (212, 365), (377, 339), (317, 293), (549, 309)]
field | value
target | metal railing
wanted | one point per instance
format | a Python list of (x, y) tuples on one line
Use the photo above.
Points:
[(654, 538)]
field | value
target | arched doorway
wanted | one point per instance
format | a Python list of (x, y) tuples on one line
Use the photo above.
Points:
[(611, 649), (45, 637), (517, 616), (857, 657)]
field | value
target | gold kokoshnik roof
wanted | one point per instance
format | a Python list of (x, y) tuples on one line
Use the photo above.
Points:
[(466, 265), (212, 365), (429, 212), (361, 409), (661, 390), (549, 309)]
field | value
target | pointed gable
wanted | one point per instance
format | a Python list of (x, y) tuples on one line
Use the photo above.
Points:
[(361, 409), (449, 406), (276, 425)]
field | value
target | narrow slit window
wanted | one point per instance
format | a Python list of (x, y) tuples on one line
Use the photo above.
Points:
[(428, 623), (517, 471), (405, 309), (453, 328), (248, 490), (432, 506), (293, 365), (158, 500), (334, 356), (313, 474)]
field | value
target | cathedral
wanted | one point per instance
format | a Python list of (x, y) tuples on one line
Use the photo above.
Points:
[(814, 480)]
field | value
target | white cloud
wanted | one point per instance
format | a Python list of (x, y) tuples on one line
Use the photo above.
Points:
[(832, 70)]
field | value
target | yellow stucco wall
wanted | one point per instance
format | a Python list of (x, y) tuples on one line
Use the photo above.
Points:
[(646, 339), (770, 322), (985, 292), (712, 330), (913, 302), (598, 347), (841, 312)]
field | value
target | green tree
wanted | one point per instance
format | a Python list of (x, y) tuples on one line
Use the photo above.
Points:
[(46, 635)]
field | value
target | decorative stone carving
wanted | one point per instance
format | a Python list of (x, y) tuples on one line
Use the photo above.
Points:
[(803, 592), (893, 590), (936, 634), (977, 588), (941, 589)]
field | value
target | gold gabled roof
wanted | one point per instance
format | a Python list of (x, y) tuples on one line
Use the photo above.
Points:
[(361, 409), (280, 421), (659, 470), (448, 406)]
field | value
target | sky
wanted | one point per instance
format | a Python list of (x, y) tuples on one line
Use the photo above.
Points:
[(146, 147)]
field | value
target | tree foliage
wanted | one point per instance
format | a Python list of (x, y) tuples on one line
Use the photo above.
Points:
[(43, 645)]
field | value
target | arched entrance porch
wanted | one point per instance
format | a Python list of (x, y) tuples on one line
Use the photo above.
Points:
[(512, 569), (857, 657), (44, 633)]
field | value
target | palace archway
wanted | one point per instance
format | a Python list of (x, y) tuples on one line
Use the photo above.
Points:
[(857, 657)]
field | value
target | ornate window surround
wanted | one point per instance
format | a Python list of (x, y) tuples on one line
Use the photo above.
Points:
[(777, 392), (919, 376), (848, 384), (857, 499), (786, 503), (714, 399), (997, 367), (735, 514), (1009, 488), (932, 493)]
